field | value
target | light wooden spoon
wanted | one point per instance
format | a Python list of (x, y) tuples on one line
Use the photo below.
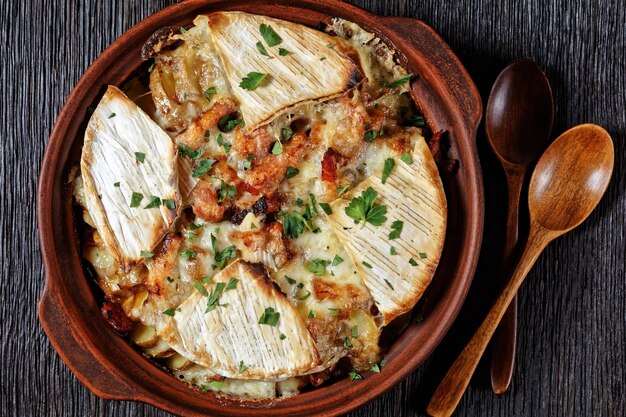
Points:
[(567, 184)]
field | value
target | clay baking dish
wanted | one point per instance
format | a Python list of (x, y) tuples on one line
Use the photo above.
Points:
[(111, 367)]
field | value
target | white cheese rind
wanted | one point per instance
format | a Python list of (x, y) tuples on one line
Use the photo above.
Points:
[(311, 71), (413, 194), (226, 337), (112, 172)]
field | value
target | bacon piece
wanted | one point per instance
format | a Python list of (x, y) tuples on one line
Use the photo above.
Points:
[(329, 166), (193, 136), (257, 142), (114, 314), (204, 203), (324, 290)]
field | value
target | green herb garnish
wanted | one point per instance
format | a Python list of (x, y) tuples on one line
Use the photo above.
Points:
[(363, 209), (413, 262), (400, 81), (208, 93), (185, 150), (389, 165), (135, 199), (336, 260), (422, 255), (188, 254), (396, 229), (251, 81), (200, 288), (292, 172), (283, 52), (318, 266), (248, 163), (389, 284), (154, 202), (354, 375), (270, 37), (277, 148), (261, 49), (145, 254), (326, 208), (270, 317), (140, 156), (203, 167), (406, 158)]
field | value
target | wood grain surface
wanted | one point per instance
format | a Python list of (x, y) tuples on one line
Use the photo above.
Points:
[(572, 307)]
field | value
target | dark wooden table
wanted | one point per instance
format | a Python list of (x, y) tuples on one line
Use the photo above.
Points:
[(572, 337)]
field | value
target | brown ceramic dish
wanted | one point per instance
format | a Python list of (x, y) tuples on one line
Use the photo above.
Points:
[(114, 369)]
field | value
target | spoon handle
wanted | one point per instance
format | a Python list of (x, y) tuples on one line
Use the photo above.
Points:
[(504, 339), (451, 388)]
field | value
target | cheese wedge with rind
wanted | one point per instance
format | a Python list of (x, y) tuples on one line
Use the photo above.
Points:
[(313, 69), (111, 173), (413, 194), (226, 337)]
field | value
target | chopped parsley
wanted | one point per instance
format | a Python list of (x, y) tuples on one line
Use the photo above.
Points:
[(242, 367), (283, 52), (326, 208), (135, 199), (170, 312), (290, 280), (169, 203), (261, 49), (406, 158), (112, 115), (208, 93), (248, 164), (371, 134), (293, 223), (232, 283), (216, 384), (318, 266), (170, 279), (203, 167), (341, 190), (151, 67), (154, 202), (188, 254), (226, 191), (292, 172), (423, 255), (389, 165), (354, 375), (116, 184), (367, 265), (270, 317), (140, 156), (393, 251), (389, 285), (251, 81), (311, 314), (198, 286), (185, 150), (214, 297), (282, 336), (336, 260), (396, 229), (193, 226), (400, 81), (286, 133), (228, 123), (222, 143), (270, 37), (305, 296), (330, 45), (182, 30), (222, 256), (277, 149), (413, 262), (145, 254), (347, 343), (354, 330), (363, 209)]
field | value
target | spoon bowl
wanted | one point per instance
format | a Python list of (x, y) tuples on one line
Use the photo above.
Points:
[(571, 177)]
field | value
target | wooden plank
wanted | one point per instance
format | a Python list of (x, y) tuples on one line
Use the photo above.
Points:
[(571, 358)]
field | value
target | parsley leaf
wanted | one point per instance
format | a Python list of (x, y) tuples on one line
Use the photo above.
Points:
[(336, 260), (169, 203), (242, 367), (222, 256), (214, 297), (341, 190), (277, 149), (406, 158), (269, 35), (261, 49), (326, 208), (290, 280), (418, 121), (413, 262), (318, 266), (363, 209), (222, 143), (292, 172), (208, 93), (367, 264), (251, 81), (400, 81), (354, 330), (248, 164), (422, 255), (283, 52), (389, 165), (396, 229), (112, 115), (286, 133), (170, 312), (203, 167), (232, 283), (226, 191), (389, 284), (116, 184), (140, 156), (229, 122), (135, 199), (185, 150), (393, 251), (188, 254), (153, 203), (354, 375), (270, 317), (145, 254), (311, 314), (200, 288)]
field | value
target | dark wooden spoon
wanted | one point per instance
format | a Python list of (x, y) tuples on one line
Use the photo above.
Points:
[(518, 122), (567, 184)]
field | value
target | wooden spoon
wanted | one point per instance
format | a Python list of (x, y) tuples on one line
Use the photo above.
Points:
[(567, 184), (518, 122)]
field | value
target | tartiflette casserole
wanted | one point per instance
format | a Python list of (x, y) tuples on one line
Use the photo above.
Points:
[(265, 207)]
